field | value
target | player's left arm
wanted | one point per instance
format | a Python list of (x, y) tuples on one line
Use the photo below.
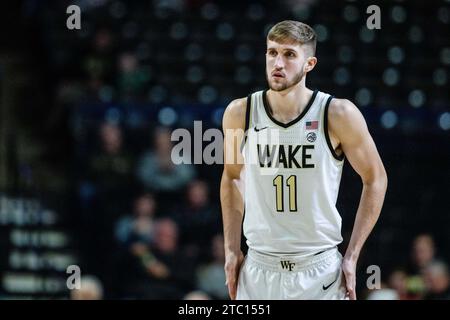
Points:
[(349, 131)]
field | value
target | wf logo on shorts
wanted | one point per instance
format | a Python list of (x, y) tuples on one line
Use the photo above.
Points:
[(287, 265)]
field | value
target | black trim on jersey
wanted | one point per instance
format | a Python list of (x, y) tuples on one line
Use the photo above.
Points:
[(325, 129), (247, 112), (244, 246), (290, 123), (247, 119)]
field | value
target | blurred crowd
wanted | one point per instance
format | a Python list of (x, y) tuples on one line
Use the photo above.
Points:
[(425, 277), (150, 229)]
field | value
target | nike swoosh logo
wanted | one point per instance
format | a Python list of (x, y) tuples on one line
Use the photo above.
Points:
[(256, 129), (326, 287)]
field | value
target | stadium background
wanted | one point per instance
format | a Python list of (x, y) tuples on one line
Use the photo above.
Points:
[(85, 120)]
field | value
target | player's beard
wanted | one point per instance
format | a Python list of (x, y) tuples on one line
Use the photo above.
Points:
[(297, 78)]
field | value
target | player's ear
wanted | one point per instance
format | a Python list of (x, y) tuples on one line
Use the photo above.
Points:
[(310, 64)]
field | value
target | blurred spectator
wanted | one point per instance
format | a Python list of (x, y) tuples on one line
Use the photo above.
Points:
[(139, 225), (162, 271), (196, 295), (91, 289), (98, 63), (437, 281), (111, 167), (199, 221), (156, 171), (132, 78), (211, 276), (398, 280), (423, 253), (382, 294)]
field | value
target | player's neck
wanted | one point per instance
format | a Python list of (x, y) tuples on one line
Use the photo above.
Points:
[(288, 104)]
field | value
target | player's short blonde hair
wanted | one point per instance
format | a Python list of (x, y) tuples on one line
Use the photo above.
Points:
[(290, 31)]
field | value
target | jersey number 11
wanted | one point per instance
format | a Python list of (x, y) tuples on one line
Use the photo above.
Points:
[(291, 183)]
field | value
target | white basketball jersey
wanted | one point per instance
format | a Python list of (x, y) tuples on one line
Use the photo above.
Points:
[(292, 177)]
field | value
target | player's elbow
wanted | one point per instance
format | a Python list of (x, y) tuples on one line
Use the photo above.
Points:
[(229, 177), (377, 179), (383, 181)]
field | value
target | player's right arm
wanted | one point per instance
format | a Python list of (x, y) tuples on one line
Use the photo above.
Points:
[(230, 197)]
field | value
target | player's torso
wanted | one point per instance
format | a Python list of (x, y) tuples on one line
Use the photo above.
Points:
[(291, 180)]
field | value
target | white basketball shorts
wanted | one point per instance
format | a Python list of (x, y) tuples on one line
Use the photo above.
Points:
[(264, 277)]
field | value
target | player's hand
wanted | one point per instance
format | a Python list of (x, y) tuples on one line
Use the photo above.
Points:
[(349, 270), (233, 263)]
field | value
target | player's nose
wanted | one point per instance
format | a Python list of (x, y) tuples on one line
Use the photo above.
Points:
[(279, 63)]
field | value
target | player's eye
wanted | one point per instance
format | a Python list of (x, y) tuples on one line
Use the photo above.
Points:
[(290, 54), (272, 53)]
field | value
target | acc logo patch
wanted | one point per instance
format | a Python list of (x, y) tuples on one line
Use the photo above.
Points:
[(311, 137)]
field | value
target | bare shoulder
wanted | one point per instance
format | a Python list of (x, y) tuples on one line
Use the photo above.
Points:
[(237, 108), (346, 122), (340, 109), (234, 115), (343, 112)]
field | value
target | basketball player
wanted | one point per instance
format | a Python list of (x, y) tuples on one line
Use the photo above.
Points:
[(288, 186)]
